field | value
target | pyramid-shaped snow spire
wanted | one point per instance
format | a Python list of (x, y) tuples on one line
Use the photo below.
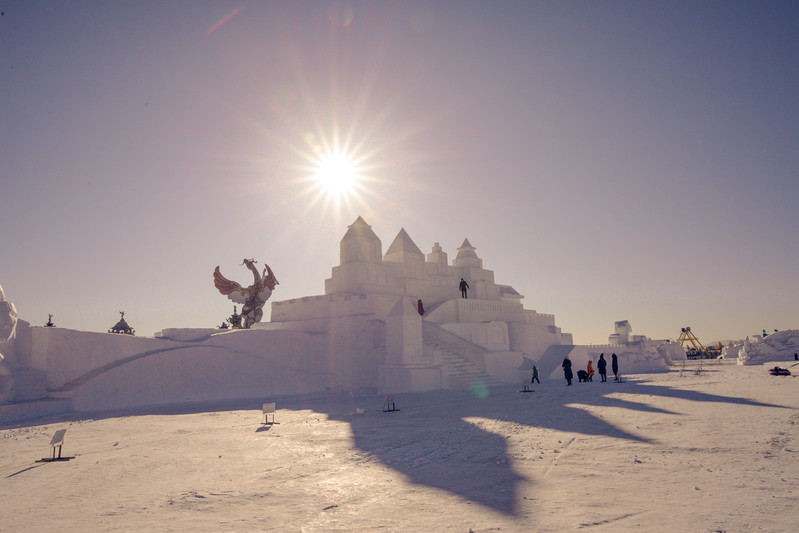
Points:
[(402, 244), (403, 250)]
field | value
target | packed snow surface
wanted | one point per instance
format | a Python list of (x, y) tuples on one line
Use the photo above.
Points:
[(687, 450)]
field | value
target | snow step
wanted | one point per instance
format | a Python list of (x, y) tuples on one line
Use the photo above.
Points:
[(462, 373)]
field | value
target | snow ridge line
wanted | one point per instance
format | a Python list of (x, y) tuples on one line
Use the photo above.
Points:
[(608, 521), (66, 387)]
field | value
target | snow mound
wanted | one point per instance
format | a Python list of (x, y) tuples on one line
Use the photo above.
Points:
[(780, 346)]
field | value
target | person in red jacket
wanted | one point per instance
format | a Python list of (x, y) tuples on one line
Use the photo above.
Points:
[(590, 370)]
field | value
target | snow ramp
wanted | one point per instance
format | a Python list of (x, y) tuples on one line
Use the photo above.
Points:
[(552, 358)]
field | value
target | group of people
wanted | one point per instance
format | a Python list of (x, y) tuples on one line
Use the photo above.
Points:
[(588, 373)]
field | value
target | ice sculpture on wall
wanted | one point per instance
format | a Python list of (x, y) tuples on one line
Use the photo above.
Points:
[(253, 297)]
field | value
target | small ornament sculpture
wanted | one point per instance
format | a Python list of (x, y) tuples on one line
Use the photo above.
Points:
[(253, 297), (235, 319), (49, 322), (122, 326)]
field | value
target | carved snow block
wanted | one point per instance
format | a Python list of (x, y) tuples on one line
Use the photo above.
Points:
[(404, 333)]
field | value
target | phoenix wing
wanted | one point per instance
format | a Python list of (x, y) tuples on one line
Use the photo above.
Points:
[(270, 280), (231, 289)]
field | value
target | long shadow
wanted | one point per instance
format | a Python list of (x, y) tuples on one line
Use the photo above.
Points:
[(431, 441), (637, 387), (446, 453), (433, 444)]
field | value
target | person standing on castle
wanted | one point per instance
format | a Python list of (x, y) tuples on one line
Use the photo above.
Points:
[(602, 367), (535, 376), (590, 370), (463, 286), (567, 370), (614, 365), (420, 307)]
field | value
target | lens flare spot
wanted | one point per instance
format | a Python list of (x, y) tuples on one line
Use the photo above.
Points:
[(480, 390), (337, 173)]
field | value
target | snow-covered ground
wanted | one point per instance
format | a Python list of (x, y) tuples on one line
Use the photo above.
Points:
[(677, 451)]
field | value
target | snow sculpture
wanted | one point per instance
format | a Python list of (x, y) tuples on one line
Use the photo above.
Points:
[(8, 329), (253, 297), (8, 318), (778, 346)]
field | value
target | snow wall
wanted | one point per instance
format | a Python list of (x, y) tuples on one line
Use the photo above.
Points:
[(102, 370), (633, 358)]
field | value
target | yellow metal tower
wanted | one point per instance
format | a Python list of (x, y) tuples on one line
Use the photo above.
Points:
[(687, 336)]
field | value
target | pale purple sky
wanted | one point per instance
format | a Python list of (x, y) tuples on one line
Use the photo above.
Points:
[(610, 160)]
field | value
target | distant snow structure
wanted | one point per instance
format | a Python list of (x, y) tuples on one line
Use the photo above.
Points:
[(635, 353), (756, 350), (623, 334)]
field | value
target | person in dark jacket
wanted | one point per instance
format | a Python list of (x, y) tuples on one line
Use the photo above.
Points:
[(614, 365), (567, 370), (535, 376), (463, 286), (602, 368)]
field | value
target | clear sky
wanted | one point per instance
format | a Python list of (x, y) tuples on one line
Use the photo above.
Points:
[(609, 159)]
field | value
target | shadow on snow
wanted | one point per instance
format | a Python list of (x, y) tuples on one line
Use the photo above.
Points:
[(430, 440)]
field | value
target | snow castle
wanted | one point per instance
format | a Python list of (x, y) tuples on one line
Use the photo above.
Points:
[(391, 323), (485, 338)]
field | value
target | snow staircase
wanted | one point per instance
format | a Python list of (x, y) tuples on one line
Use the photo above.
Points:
[(462, 362), (461, 374)]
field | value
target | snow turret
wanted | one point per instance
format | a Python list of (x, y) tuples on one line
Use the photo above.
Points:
[(439, 258), (623, 333), (467, 257), (361, 244)]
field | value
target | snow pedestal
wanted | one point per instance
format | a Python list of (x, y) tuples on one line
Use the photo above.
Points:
[(406, 369)]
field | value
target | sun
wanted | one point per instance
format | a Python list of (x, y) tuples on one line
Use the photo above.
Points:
[(337, 173)]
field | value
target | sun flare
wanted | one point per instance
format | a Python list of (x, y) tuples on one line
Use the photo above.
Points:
[(337, 173)]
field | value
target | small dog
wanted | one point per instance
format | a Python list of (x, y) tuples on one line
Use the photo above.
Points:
[(582, 375)]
